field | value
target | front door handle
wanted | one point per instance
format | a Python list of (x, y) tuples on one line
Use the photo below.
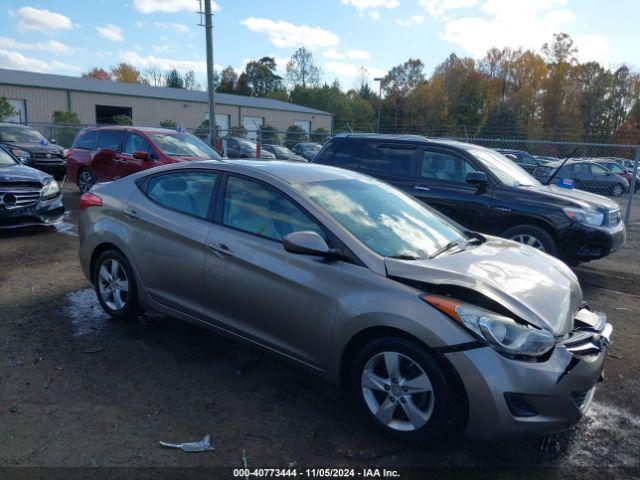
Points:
[(422, 189), (130, 214), (220, 250)]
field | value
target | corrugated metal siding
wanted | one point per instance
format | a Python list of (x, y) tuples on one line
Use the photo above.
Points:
[(41, 102)]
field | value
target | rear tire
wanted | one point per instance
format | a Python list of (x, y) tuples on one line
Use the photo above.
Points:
[(115, 285), (533, 236), (414, 403), (86, 180), (617, 190)]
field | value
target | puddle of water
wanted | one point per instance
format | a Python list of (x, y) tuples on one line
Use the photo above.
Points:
[(69, 224), (84, 311)]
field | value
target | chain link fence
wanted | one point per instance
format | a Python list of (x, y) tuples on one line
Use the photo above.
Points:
[(608, 169)]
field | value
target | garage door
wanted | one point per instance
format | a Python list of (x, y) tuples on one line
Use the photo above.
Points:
[(252, 125)]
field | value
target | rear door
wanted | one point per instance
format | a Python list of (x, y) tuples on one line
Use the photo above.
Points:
[(103, 164), (127, 163), (441, 183), (394, 163), (170, 221)]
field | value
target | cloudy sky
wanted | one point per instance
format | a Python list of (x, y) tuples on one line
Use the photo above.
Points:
[(71, 36)]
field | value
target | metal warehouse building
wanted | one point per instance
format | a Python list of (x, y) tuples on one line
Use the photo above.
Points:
[(37, 95)]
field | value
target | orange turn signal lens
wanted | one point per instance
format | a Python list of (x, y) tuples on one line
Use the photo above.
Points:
[(445, 304)]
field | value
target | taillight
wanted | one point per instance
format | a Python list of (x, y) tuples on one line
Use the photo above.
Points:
[(90, 200)]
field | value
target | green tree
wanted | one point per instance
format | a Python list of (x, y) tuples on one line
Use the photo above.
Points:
[(269, 134), (242, 85), (65, 134), (294, 135), (301, 69), (320, 135), (6, 109), (261, 76), (174, 79), (172, 124), (238, 131), (228, 80), (122, 120)]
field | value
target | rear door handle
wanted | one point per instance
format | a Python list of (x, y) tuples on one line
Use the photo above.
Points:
[(422, 189), (220, 250), (130, 214)]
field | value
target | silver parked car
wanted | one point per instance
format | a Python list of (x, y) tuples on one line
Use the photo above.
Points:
[(431, 328)]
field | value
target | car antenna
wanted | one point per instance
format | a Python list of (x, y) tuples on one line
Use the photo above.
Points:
[(561, 165)]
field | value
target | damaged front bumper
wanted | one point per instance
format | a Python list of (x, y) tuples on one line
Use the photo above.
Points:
[(44, 212), (514, 397)]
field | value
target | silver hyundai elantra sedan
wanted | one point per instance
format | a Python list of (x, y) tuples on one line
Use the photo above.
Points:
[(430, 328)]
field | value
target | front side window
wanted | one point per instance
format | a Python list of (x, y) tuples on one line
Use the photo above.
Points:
[(442, 166), (255, 208), (185, 192), (135, 143), (615, 168), (384, 219), (183, 145), (599, 170), (110, 139), (389, 160), (506, 171)]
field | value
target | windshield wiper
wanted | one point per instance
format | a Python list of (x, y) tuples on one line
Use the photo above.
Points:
[(448, 246), (404, 256)]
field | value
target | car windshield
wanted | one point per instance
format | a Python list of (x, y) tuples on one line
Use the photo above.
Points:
[(20, 134), (183, 145), (386, 220), (614, 167), (247, 144), (507, 172), (6, 159), (282, 150)]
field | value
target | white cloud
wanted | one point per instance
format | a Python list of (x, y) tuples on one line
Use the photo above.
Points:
[(414, 20), (17, 61), (371, 4), (439, 7), (169, 6), (284, 34), (51, 46), (334, 54), (350, 70), (374, 14), (525, 23), (358, 54), (595, 47), (30, 18), (160, 48), (151, 61), (111, 32), (178, 27)]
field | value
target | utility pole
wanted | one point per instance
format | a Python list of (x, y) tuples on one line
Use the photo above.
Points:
[(379, 80), (211, 88)]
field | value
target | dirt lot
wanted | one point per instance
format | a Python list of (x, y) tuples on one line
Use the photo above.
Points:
[(77, 390)]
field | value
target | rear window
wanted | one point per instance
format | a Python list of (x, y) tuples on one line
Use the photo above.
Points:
[(397, 160), (86, 140), (110, 139)]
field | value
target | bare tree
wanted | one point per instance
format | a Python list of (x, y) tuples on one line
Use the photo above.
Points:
[(301, 70)]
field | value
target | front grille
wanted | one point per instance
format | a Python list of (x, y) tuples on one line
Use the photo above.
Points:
[(19, 195), (590, 336), (43, 156), (614, 217)]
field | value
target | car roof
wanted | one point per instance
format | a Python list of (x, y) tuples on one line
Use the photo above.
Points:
[(12, 124), (408, 138), (135, 128), (289, 172)]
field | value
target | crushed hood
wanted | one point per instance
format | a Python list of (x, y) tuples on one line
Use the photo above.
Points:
[(536, 287)]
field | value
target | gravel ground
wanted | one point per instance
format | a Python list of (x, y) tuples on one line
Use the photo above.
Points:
[(79, 390)]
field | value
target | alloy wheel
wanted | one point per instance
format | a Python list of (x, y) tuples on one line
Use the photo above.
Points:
[(85, 181), (397, 391), (617, 190), (113, 284), (528, 240)]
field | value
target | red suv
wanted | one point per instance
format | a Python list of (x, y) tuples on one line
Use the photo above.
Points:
[(103, 154)]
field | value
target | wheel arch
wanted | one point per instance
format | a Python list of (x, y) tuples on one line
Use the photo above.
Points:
[(525, 221), (99, 250)]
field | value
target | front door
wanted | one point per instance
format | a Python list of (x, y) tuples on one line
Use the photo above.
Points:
[(103, 163), (170, 220), (255, 288), (441, 183), (127, 164)]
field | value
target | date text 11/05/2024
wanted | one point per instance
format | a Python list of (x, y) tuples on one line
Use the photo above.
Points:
[(316, 472)]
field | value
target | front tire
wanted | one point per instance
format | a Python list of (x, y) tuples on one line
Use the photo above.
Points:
[(402, 390), (115, 285), (533, 236)]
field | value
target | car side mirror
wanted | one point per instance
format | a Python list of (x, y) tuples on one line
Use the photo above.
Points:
[(478, 179), (306, 243), (52, 140), (511, 156), (141, 155)]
